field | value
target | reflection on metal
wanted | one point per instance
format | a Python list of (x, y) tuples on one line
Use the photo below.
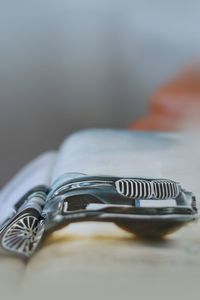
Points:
[(147, 189), (150, 207), (23, 236), (81, 184)]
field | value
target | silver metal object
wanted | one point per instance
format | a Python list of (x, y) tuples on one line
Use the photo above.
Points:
[(22, 233), (156, 202), (148, 207), (140, 188)]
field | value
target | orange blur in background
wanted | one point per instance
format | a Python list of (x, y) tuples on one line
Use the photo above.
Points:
[(175, 105)]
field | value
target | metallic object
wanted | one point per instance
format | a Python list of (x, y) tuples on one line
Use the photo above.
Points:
[(22, 232), (147, 189), (148, 207)]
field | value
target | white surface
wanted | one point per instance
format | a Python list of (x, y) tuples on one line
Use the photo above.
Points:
[(38, 172), (157, 203)]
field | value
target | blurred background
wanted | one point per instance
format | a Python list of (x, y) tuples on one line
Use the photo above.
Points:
[(68, 65)]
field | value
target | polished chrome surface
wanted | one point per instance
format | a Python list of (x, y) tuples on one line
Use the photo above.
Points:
[(146, 189), (95, 198), (23, 236), (81, 184), (24, 230)]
